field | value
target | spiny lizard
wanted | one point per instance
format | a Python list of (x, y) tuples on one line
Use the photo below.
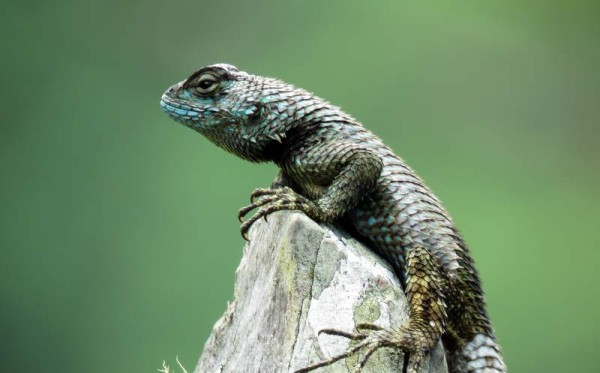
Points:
[(333, 169)]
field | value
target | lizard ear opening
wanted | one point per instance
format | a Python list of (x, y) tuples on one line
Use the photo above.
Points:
[(255, 113)]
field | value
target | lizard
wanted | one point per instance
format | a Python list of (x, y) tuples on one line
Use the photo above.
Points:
[(335, 170)]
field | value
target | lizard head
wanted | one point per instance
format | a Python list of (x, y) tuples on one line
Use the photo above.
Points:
[(244, 114)]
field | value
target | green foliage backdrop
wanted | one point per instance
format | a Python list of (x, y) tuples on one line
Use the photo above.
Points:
[(118, 235)]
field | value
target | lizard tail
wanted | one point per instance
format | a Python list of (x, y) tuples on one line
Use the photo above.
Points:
[(480, 355)]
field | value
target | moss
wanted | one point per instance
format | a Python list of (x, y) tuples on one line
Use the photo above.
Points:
[(368, 309)]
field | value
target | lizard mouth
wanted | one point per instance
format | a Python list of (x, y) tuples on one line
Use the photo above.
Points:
[(177, 111)]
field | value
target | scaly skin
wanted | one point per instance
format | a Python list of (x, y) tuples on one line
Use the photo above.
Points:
[(333, 169)]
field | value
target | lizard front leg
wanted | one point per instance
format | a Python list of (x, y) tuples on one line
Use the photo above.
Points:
[(357, 175), (281, 181)]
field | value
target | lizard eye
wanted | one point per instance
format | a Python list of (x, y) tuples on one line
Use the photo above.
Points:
[(206, 84)]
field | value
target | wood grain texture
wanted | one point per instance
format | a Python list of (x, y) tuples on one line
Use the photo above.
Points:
[(296, 278)]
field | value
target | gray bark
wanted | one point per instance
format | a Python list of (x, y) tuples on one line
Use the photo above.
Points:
[(296, 278)]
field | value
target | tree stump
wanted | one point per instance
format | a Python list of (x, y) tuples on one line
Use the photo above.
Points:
[(295, 278)]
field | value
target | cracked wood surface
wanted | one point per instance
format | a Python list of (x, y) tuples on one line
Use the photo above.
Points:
[(296, 278)]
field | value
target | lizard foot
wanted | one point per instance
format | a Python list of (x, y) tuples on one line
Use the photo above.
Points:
[(372, 337), (268, 201), (422, 330)]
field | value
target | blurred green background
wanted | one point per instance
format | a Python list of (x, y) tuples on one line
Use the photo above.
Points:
[(118, 230)]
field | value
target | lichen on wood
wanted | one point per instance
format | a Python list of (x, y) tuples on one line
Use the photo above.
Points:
[(296, 278)]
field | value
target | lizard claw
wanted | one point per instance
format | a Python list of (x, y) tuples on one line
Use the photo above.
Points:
[(341, 333), (268, 201), (259, 193), (368, 326)]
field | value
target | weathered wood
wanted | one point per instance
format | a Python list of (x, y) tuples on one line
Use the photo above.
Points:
[(296, 278)]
